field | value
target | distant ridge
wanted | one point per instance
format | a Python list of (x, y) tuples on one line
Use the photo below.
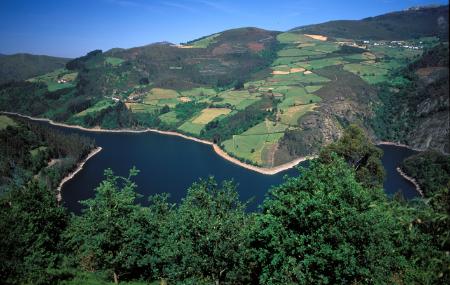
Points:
[(22, 66), (414, 22)]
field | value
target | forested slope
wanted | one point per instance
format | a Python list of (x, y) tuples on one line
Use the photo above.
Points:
[(22, 66), (402, 25), (415, 110)]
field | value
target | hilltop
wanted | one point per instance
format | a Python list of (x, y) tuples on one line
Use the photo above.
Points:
[(264, 97)]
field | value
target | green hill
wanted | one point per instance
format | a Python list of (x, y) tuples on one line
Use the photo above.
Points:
[(22, 66), (264, 97), (408, 24)]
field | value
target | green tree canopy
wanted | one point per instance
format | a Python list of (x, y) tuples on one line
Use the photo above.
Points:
[(209, 236), (31, 224), (323, 227), (357, 150), (111, 232)]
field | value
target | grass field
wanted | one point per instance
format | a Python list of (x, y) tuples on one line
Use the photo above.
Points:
[(6, 121), (205, 42), (292, 38), (321, 63), (297, 52), (209, 114), (251, 145), (191, 128), (169, 118), (114, 61), (313, 88), (51, 79), (101, 105), (238, 99), (201, 91), (161, 97), (288, 60), (142, 108), (369, 72), (298, 96), (291, 115)]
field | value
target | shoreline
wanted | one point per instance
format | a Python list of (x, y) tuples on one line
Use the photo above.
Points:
[(411, 180), (399, 145), (72, 174), (220, 152)]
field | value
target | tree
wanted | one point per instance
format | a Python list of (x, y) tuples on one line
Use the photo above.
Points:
[(323, 227), (110, 233), (357, 150), (31, 225), (209, 236)]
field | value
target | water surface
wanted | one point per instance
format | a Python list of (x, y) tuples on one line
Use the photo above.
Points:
[(171, 164)]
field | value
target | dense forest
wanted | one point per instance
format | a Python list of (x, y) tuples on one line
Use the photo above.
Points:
[(331, 224), (431, 169), (30, 151)]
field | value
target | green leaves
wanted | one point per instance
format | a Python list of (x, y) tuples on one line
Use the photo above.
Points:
[(319, 228)]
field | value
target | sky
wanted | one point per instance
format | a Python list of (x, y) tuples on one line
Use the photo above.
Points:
[(71, 28)]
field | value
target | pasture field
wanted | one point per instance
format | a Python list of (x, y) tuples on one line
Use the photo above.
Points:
[(51, 79), (290, 115), (161, 97), (323, 47), (299, 78), (395, 52), (169, 118), (6, 121), (313, 88), (209, 114), (369, 72), (294, 38), (298, 96), (240, 99), (288, 60), (297, 52), (191, 128), (199, 92), (142, 108), (205, 42), (321, 63), (114, 61), (100, 105), (251, 145)]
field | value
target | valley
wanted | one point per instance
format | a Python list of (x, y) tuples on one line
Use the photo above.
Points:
[(299, 91)]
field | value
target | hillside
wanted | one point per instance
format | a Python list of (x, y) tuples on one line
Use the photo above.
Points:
[(416, 111), (22, 66), (408, 24), (264, 97)]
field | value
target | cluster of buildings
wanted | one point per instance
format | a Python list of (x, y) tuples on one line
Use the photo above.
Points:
[(397, 44)]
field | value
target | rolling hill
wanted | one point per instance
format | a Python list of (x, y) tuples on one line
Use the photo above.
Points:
[(412, 23), (264, 97), (22, 66)]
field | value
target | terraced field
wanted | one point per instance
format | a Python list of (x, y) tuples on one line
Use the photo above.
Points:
[(256, 145), (278, 111)]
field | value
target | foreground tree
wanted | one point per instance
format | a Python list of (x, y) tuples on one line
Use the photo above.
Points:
[(357, 150), (111, 232), (323, 227), (31, 224), (208, 236)]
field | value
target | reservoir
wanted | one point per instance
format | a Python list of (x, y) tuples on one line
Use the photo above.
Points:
[(171, 164)]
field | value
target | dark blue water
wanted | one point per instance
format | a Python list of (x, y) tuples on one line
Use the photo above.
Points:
[(171, 164)]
